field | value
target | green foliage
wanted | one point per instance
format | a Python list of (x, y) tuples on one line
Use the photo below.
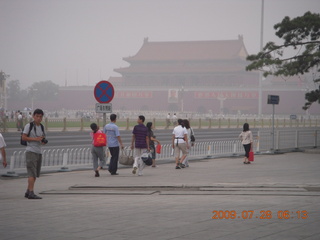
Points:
[(300, 34), (13, 87)]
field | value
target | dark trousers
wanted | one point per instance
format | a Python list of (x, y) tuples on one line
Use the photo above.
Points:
[(113, 166), (247, 148)]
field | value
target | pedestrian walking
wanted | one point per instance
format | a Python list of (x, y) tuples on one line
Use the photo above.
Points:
[(180, 143), (34, 135), (168, 121), (19, 121), (190, 131), (3, 155), (246, 140), (114, 140), (152, 139), (174, 120), (97, 150), (140, 144)]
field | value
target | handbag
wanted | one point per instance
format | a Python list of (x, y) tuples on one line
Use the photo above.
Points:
[(126, 157), (147, 158), (158, 149), (192, 138), (99, 139), (251, 156)]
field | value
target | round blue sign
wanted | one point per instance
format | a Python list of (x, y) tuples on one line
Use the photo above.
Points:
[(104, 92)]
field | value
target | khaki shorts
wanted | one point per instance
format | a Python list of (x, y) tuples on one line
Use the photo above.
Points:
[(181, 147), (33, 162)]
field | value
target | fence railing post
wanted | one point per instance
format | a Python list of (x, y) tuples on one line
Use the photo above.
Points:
[(81, 124), (127, 127), (209, 153), (46, 124), (64, 167), (64, 124), (258, 143), (297, 140), (234, 148)]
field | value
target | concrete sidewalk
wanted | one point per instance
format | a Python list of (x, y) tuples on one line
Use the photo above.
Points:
[(249, 202)]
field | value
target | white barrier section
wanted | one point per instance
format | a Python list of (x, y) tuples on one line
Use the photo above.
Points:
[(64, 167), (81, 157)]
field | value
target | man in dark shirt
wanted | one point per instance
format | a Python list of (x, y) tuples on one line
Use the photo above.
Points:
[(140, 143)]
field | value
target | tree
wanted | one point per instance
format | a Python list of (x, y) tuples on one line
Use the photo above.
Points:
[(301, 35), (13, 89), (45, 90)]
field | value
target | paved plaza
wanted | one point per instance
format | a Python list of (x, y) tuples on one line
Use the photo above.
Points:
[(276, 197)]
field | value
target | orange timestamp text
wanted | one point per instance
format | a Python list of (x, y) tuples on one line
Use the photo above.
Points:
[(263, 214)]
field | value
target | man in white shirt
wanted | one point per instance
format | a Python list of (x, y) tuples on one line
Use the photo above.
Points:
[(174, 119), (19, 121), (180, 143), (168, 120)]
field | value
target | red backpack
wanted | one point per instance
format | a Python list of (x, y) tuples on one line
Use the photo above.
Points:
[(99, 139)]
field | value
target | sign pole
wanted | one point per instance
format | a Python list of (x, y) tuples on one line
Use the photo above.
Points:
[(272, 127), (104, 119), (273, 99)]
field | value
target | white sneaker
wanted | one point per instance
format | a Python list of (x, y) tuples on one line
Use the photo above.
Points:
[(140, 173)]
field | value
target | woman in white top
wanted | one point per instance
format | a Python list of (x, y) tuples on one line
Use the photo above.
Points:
[(186, 124), (180, 142), (246, 140)]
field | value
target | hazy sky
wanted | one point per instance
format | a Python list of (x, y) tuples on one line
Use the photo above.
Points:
[(84, 40)]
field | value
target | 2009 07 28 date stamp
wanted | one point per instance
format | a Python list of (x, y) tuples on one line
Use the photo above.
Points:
[(263, 214)]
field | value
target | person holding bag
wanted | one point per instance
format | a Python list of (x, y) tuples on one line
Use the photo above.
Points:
[(246, 140), (97, 149), (152, 139), (140, 144), (180, 143)]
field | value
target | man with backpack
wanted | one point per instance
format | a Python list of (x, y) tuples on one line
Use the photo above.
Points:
[(33, 136)]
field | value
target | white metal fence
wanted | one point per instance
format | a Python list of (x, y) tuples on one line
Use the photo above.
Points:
[(285, 140)]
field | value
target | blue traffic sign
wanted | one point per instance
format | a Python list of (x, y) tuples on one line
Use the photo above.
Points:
[(104, 92)]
